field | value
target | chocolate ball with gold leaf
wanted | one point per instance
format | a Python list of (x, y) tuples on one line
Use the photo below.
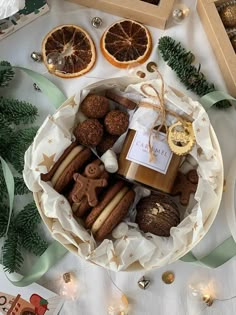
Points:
[(157, 214)]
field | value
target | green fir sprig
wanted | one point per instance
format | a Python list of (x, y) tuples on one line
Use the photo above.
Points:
[(20, 187), (180, 60), (15, 137), (12, 257), (17, 112), (6, 73)]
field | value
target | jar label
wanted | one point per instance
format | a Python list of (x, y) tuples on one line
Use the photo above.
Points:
[(139, 151)]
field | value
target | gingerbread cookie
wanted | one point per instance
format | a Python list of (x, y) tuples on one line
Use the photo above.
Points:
[(87, 185), (185, 185), (81, 207)]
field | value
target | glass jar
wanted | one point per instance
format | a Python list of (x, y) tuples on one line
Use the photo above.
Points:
[(135, 164)]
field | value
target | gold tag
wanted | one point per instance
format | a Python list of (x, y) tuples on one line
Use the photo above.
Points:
[(168, 277), (181, 137)]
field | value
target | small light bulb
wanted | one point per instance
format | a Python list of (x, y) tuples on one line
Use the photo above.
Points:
[(180, 13), (55, 62), (202, 292), (119, 306), (69, 287)]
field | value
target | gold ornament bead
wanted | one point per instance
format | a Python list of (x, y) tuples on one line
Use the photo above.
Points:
[(151, 66), (228, 15), (181, 137), (67, 277), (208, 299), (168, 277), (141, 74)]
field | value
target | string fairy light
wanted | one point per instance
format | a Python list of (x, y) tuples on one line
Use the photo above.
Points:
[(205, 294), (118, 306), (69, 286)]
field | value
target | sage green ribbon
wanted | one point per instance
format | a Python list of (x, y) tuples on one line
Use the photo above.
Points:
[(55, 251), (227, 250), (217, 257), (55, 96), (49, 258), (9, 180), (212, 98)]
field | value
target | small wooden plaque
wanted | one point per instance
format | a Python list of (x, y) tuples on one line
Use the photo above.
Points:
[(218, 37)]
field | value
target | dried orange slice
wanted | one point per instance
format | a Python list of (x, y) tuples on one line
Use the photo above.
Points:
[(75, 48), (126, 43)]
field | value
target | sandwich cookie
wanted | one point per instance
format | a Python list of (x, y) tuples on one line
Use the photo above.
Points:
[(110, 211), (72, 159)]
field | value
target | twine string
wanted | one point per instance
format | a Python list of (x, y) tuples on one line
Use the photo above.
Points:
[(159, 106)]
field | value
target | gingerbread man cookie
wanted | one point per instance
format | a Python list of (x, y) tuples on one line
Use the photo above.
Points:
[(185, 185), (86, 185)]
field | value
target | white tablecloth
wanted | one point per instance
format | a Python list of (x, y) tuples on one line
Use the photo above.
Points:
[(95, 287)]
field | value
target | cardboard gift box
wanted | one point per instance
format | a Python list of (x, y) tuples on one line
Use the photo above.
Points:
[(144, 12), (219, 39)]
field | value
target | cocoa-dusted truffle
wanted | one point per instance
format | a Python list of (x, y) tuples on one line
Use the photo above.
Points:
[(95, 106), (116, 122), (106, 143), (89, 132), (157, 214)]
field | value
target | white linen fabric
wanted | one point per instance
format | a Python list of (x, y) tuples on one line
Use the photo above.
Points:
[(96, 289), (10, 7)]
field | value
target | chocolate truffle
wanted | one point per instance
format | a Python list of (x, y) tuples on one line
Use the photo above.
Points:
[(89, 132), (157, 214), (116, 122), (106, 143), (95, 106)]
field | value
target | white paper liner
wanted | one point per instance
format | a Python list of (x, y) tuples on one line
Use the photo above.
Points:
[(129, 248)]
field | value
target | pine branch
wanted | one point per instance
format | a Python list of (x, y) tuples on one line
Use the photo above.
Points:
[(33, 242), (7, 74), (3, 187), (22, 140), (28, 218), (3, 219), (12, 258), (20, 187), (17, 112), (180, 60), (169, 47)]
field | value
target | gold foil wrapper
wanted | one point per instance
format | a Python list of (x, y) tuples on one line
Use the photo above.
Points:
[(228, 15)]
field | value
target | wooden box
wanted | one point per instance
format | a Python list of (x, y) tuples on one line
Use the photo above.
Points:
[(144, 12), (218, 37)]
